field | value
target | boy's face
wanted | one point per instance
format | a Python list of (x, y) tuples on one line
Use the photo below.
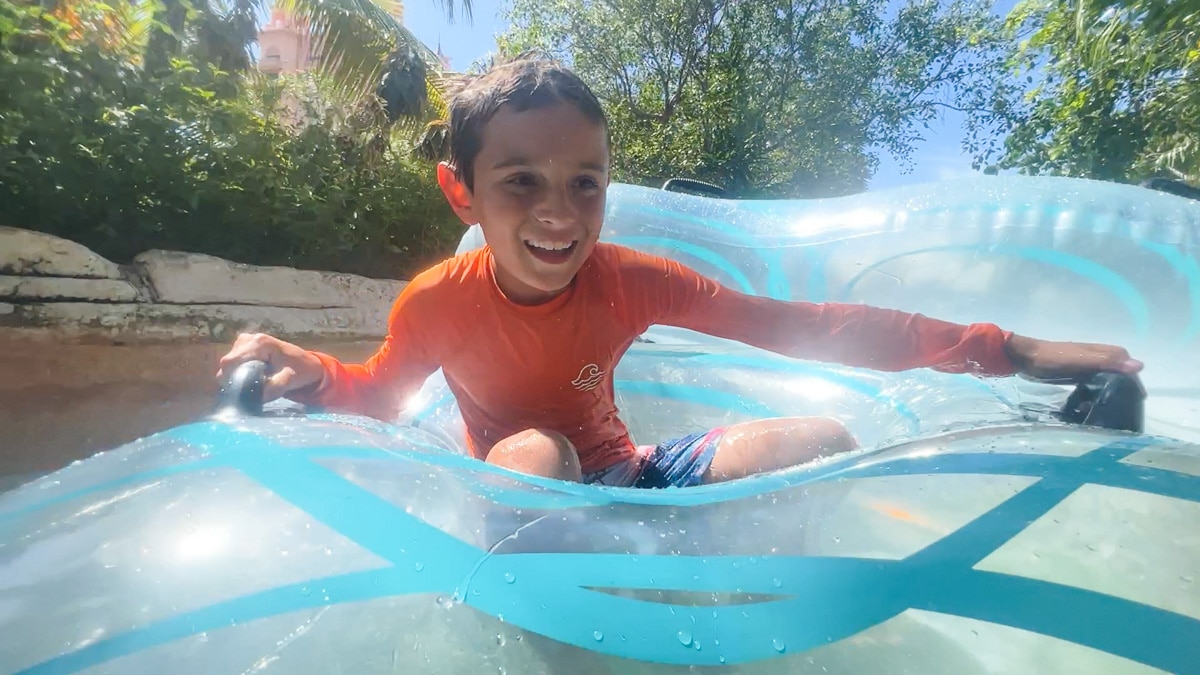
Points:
[(541, 176)]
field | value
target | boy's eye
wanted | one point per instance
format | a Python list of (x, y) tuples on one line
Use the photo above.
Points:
[(587, 182), (523, 180)]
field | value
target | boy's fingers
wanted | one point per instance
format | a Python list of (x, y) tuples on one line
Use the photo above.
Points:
[(278, 384), (1130, 366), (230, 362), (1061, 360), (246, 348), (1081, 360)]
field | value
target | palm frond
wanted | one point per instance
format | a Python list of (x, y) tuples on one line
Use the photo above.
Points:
[(353, 40), (133, 21), (448, 7), (435, 95)]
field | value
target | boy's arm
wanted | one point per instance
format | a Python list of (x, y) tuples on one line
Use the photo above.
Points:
[(380, 386), (854, 335)]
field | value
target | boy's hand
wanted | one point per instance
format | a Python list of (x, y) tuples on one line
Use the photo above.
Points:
[(289, 367), (1067, 360)]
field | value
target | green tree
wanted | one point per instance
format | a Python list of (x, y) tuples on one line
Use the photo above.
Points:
[(1104, 89), (773, 98)]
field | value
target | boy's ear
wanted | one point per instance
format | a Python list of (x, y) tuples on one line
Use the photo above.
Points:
[(456, 193)]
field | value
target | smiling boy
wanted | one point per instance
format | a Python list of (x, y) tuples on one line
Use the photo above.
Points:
[(528, 329)]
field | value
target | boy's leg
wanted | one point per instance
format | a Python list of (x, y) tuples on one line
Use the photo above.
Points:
[(539, 452), (766, 445)]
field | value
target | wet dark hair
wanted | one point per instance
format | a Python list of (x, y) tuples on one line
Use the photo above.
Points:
[(527, 81)]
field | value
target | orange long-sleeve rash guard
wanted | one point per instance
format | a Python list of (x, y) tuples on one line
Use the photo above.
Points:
[(550, 366)]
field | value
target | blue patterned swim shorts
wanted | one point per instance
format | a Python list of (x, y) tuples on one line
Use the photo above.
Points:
[(680, 462)]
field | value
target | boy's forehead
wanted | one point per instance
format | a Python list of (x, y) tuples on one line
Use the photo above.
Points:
[(514, 136)]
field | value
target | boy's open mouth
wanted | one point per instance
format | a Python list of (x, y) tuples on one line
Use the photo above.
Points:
[(553, 253)]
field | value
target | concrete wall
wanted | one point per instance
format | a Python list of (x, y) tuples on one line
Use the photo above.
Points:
[(93, 354)]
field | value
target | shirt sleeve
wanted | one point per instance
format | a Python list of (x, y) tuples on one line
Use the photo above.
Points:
[(381, 386), (663, 291)]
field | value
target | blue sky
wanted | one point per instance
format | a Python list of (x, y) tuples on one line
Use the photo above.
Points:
[(938, 157)]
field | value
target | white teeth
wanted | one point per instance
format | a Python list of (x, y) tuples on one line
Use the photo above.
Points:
[(550, 246)]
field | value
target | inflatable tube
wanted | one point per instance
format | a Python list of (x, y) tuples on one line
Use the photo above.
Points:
[(975, 532)]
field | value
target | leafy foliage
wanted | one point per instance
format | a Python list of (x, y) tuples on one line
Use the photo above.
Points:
[(1106, 89), (359, 47), (778, 98), (97, 149)]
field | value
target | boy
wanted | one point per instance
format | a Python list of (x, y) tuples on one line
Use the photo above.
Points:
[(528, 329)]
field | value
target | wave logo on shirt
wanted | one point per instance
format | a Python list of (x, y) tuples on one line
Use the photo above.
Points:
[(589, 376)]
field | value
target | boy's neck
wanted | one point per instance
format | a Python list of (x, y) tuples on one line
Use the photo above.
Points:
[(528, 297)]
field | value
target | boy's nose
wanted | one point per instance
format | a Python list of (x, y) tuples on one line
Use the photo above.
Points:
[(555, 208)]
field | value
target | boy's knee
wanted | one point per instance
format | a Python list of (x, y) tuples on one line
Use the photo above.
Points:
[(832, 436), (541, 452)]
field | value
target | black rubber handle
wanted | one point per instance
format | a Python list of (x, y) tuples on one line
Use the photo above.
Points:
[(1110, 400), (1170, 186), (684, 184), (242, 392)]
